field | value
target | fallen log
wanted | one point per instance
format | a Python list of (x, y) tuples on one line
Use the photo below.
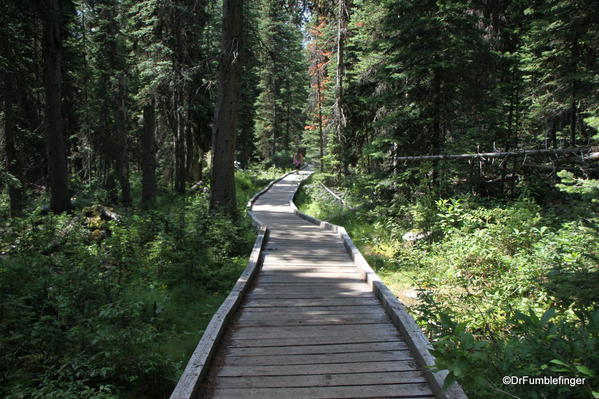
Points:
[(593, 156)]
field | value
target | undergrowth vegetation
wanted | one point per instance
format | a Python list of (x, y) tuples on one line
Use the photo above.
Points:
[(505, 287), (98, 308)]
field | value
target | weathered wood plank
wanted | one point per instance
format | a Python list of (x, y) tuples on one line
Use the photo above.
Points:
[(309, 274), (285, 360), (305, 257), (253, 342), (303, 244), (311, 294), (322, 320), (303, 313), (335, 309), (312, 369), (304, 264), (297, 381), (328, 267), (317, 349), (315, 321), (362, 391), (312, 239), (336, 287), (314, 261), (310, 302), (368, 330), (346, 278)]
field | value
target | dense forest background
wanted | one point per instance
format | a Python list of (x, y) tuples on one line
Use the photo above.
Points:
[(133, 132)]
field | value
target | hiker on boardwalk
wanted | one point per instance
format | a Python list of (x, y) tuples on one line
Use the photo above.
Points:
[(298, 159)]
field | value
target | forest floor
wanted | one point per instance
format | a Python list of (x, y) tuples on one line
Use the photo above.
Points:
[(97, 308), (502, 287)]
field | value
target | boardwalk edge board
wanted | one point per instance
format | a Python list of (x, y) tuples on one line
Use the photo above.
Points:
[(199, 362), (415, 338)]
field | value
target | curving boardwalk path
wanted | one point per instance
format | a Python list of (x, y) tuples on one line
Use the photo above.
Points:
[(310, 327)]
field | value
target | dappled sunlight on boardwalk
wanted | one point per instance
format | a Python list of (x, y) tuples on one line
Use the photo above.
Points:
[(310, 327)]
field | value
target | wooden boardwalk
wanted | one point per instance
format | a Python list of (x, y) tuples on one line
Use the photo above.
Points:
[(310, 327)]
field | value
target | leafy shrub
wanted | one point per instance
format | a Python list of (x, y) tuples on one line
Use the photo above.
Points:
[(506, 287), (100, 309)]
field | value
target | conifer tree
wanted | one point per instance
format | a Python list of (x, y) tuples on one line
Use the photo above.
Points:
[(319, 58), (283, 80), (222, 194), (54, 21)]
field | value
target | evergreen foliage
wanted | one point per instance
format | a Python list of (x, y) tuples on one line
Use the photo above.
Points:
[(281, 103)]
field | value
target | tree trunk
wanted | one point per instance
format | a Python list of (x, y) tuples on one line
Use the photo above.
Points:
[(148, 167), (55, 143), (192, 149), (573, 123), (180, 164), (436, 127), (287, 138), (320, 131), (13, 165), (122, 160), (222, 195), (340, 121)]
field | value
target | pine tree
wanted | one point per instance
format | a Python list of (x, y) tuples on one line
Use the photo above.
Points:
[(53, 14), (283, 80), (222, 194), (561, 60), (319, 56)]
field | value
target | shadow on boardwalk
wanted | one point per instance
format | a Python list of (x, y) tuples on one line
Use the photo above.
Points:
[(310, 327)]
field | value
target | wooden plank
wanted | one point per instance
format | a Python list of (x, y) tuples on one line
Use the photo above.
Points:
[(368, 330), (306, 257), (278, 257), (285, 360), (340, 288), (363, 391), (312, 239), (298, 381), (302, 234), (304, 341), (335, 309), (322, 320), (330, 254), (299, 291), (248, 314), (300, 264), (327, 278), (332, 268), (310, 273), (308, 294), (317, 349), (307, 316), (319, 243), (255, 302), (313, 369), (331, 291)]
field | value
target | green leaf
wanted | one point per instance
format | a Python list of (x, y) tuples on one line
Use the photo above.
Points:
[(585, 370), (561, 363), (547, 315)]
